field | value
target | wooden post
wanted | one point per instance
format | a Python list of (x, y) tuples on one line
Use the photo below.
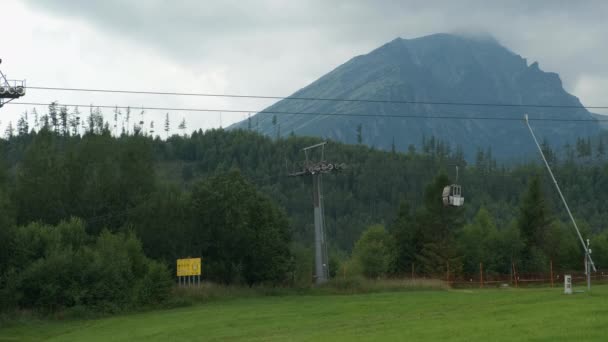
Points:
[(447, 273), (412, 271), (551, 263), (481, 274), (514, 273)]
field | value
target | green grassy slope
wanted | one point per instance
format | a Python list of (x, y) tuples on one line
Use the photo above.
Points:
[(459, 315)]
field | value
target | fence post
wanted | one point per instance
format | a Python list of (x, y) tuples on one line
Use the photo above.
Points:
[(551, 263), (514, 273), (412, 271), (447, 274), (481, 275)]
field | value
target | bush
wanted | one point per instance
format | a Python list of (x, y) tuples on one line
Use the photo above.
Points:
[(156, 285), (63, 267), (372, 252)]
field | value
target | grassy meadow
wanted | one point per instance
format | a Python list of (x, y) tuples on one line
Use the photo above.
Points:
[(539, 314)]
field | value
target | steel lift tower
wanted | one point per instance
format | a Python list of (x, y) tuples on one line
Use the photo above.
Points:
[(10, 89), (316, 169)]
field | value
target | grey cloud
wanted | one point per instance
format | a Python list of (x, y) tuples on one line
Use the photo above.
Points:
[(257, 39)]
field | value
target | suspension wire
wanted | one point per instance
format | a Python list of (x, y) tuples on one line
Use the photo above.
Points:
[(306, 98), (242, 111), (561, 195)]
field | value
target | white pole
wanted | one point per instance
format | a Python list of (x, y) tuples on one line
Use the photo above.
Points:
[(585, 247), (588, 266)]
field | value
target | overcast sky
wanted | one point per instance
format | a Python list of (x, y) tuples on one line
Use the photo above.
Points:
[(266, 47)]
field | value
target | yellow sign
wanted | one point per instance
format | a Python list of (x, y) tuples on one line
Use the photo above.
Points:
[(188, 267)]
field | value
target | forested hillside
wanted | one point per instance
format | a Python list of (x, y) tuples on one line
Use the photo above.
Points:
[(225, 195)]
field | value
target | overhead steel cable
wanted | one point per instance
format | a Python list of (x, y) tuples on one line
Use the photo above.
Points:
[(307, 98), (368, 115)]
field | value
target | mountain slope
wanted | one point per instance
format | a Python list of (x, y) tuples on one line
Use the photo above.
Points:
[(436, 68), (603, 118)]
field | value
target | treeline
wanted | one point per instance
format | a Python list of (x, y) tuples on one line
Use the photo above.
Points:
[(82, 215), (183, 196), (432, 240)]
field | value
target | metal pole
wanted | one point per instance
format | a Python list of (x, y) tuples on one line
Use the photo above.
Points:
[(319, 238), (561, 196), (323, 233), (588, 266)]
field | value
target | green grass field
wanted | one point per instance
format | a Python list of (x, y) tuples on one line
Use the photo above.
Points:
[(455, 315)]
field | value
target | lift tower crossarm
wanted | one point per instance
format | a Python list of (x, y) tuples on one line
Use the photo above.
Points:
[(559, 191), (10, 89)]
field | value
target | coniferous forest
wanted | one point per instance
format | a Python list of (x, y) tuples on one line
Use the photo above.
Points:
[(94, 218)]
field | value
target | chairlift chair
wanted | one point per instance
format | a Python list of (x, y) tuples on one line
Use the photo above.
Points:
[(452, 195)]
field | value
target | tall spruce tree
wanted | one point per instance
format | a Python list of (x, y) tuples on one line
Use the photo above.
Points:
[(408, 241), (534, 223), (167, 125), (439, 254), (53, 115), (63, 116)]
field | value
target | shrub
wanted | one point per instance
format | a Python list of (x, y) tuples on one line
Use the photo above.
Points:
[(372, 251), (62, 267)]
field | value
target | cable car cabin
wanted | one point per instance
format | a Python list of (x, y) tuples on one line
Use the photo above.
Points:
[(452, 195)]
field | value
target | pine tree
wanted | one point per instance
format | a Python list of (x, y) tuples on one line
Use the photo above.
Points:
[(22, 125), (75, 121), (36, 122), (459, 156), (45, 121), (141, 122), (128, 118), (10, 131), (533, 223), (182, 126), (411, 150), (116, 114), (601, 149), (167, 125), (53, 116), (274, 123), (408, 240), (439, 224), (63, 116), (548, 152), (480, 160), (91, 120), (99, 124)]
